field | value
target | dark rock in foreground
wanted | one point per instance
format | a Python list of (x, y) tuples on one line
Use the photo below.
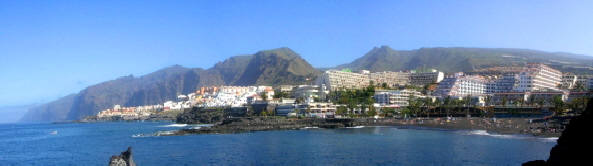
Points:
[(574, 145), (125, 159)]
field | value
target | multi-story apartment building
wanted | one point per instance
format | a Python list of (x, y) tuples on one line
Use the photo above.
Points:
[(290, 89), (390, 78), (335, 79), (506, 84), (537, 77), (312, 91), (345, 79), (395, 97), (461, 85), (568, 80), (490, 82), (427, 76)]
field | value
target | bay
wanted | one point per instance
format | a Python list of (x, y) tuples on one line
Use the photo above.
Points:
[(95, 143)]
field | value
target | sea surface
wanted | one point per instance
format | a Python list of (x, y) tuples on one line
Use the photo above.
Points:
[(95, 143)]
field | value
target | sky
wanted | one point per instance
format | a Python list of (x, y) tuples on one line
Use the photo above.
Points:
[(50, 49)]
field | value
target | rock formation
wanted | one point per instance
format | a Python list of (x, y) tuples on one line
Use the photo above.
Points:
[(125, 159), (574, 144)]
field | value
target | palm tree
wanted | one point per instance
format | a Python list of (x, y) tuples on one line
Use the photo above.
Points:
[(579, 87), (585, 101), (540, 101), (504, 103), (447, 103), (558, 105), (468, 101), (458, 104), (429, 103), (521, 102), (531, 100), (488, 100)]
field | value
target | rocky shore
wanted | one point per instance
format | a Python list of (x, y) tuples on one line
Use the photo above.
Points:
[(500, 125), (573, 146), (272, 124)]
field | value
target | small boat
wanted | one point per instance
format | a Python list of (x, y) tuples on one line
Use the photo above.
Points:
[(53, 132)]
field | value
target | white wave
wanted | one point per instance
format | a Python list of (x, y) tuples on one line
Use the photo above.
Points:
[(475, 132), (174, 125), (355, 127), (310, 127), (140, 135)]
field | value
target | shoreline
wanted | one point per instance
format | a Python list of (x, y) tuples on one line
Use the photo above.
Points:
[(534, 129), (498, 126)]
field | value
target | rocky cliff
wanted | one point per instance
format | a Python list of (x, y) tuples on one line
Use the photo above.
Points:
[(573, 146), (276, 67)]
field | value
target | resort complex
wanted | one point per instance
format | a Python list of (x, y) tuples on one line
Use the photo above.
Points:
[(536, 88)]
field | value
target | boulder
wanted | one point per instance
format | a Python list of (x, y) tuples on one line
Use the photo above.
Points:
[(125, 159)]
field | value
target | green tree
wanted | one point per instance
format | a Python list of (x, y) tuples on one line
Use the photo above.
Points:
[(504, 104), (264, 96), (468, 102), (540, 101), (488, 100), (447, 103), (531, 100), (371, 112), (558, 105), (520, 102), (579, 87), (429, 104), (296, 112), (584, 101)]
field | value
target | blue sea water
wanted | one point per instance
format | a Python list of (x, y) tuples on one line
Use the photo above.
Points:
[(95, 143)]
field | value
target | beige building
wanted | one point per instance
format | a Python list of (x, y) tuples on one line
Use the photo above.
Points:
[(345, 79), (538, 77), (335, 79)]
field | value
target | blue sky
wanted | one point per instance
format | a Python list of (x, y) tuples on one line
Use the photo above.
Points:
[(50, 49)]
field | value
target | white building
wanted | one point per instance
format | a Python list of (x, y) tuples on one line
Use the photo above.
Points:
[(312, 91), (346, 79), (427, 76), (461, 85), (537, 77), (506, 84), (395, 97), (390, 78), (335, 79)]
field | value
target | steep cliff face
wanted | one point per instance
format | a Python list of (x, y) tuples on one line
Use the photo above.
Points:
[(232, 69), (50, 112), (156, 87), (275, 67)]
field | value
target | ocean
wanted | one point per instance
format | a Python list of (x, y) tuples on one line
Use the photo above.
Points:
[(95, 143)]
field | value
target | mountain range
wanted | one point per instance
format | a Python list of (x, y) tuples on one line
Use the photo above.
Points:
[(458, 59), (274, 67)]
